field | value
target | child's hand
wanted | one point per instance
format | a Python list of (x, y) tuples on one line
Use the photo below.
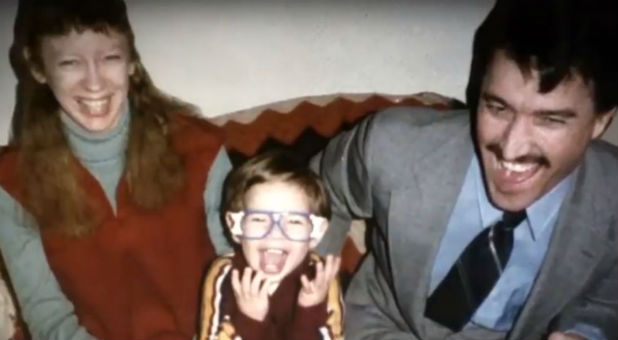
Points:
[(251, 294), (314, 292)]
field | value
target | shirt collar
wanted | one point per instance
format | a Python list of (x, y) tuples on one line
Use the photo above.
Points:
[(539, 214)]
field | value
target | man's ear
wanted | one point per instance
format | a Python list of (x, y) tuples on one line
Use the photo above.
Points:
[(34, 70), (602, 122), (318, 232), (230, 224)]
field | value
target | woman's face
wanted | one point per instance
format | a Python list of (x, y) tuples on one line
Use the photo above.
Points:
[(88, 73)]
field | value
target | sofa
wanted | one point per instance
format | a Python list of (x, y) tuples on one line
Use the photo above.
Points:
[(303, 125)]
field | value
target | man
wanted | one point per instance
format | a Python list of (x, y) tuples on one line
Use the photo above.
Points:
[(500, 223)]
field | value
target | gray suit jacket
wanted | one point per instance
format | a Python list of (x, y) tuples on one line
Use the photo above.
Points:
[(404, 168)]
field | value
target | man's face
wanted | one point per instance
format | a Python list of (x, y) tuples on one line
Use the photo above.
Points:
[(530, 141)]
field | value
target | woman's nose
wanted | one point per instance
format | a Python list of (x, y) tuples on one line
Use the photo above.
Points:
[(93, 80)]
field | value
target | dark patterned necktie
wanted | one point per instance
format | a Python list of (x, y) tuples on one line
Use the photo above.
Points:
[(474, 274)]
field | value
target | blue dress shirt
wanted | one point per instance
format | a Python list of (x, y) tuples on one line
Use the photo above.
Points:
[(472, 213)]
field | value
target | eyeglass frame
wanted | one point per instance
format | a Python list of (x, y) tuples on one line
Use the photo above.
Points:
[(275, 217)]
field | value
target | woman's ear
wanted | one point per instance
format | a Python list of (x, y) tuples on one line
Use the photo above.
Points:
[(37, 74)]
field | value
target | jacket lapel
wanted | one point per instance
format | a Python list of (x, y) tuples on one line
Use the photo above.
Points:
[(418, 215), (573, 252)]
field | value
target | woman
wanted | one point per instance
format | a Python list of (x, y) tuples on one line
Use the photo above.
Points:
[(102, 190)]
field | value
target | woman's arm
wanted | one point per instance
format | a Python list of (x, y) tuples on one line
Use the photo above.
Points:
[(212, 198), (45, 309)]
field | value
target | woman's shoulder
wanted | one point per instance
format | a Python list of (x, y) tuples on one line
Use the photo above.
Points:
[(186, 120), (191, 132), (8, 154), (8, 164)]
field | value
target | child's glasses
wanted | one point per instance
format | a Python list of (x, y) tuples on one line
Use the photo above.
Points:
[(257, 224)]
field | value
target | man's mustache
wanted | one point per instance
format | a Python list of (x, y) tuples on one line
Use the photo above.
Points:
[(540, 159)]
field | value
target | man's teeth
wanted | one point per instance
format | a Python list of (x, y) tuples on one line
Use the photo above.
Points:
[(517, 167)]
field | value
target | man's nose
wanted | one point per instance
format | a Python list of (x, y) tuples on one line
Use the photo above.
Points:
[(516, 139)]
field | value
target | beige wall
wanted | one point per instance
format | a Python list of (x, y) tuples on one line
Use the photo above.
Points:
[(227, 57)]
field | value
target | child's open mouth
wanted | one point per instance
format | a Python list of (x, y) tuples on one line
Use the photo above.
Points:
[(272, 260)]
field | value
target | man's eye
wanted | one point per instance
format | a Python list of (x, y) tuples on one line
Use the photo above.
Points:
[(549, 120), (68, 62), (495, 108)]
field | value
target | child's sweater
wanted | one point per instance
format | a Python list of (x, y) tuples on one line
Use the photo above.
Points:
[(222, 319)]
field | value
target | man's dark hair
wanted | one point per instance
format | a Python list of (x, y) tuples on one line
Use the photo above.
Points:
[(559, 38)]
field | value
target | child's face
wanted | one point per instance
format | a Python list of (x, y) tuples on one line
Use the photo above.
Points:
[(275, 255)]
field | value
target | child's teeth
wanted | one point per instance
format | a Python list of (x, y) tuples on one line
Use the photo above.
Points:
[(275, 251)]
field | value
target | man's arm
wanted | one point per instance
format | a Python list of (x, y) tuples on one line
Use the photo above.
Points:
[(343, 166), (354, 166), (595, 314), (371, 309)]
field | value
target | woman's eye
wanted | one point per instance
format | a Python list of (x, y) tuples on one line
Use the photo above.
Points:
[(113, 57)]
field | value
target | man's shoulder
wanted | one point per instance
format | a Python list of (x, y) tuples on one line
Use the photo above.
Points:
[(603, 156), (602, 160), (419, 122), (605, 151), (421, 117), (417, 130)]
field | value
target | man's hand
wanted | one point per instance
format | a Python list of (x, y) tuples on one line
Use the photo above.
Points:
[(565, 336), (314, 292), (251, 293)]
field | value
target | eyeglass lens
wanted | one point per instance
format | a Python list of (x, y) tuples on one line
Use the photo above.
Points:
[(293, 225)]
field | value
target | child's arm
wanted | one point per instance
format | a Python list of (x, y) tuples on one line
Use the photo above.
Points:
[(319, 313), (213, 325), (227, 298)]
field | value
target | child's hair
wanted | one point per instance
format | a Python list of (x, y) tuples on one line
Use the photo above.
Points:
[(274, 166)]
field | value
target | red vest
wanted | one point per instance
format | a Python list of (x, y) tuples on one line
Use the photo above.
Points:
[(138, 276)]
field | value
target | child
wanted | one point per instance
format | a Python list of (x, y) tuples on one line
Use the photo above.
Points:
[(274, 287)]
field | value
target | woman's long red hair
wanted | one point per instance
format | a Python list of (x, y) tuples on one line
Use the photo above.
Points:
[(50, 176)]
